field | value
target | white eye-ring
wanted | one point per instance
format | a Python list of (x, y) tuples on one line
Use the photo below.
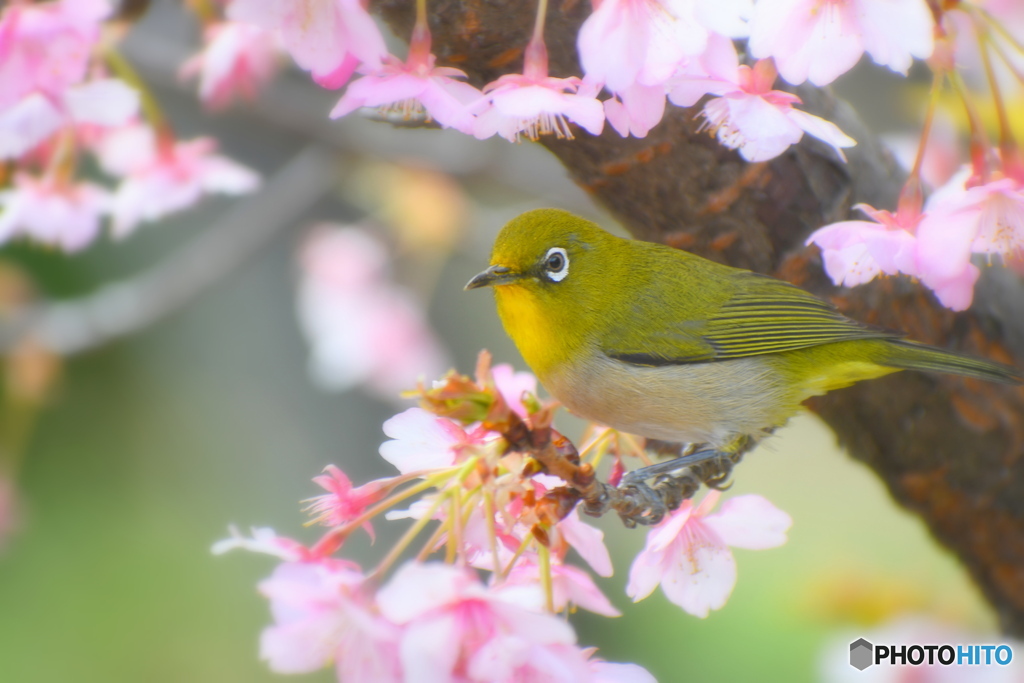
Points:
[(556, 264)]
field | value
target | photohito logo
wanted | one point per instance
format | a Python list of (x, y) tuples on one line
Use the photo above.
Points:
[(864, 654)]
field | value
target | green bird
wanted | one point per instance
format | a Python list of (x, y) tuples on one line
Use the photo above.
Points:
[(667, 345)]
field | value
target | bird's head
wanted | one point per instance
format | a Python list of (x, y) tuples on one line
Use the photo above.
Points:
[(551, 253)]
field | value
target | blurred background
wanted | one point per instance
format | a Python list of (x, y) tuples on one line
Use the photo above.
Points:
[(134, 455)]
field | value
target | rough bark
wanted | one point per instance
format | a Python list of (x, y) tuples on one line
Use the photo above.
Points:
[(949, 449)]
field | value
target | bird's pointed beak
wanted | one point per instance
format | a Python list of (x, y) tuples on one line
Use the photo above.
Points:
[(495, 275)]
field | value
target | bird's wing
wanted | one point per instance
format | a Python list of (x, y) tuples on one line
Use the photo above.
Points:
[(761, 315)]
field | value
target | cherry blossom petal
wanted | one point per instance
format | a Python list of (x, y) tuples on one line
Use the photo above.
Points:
[(512, 385), (750, 522), (26, 124), (826, 131), (588, 541), (420, 441), (701, 579), (104, 102)]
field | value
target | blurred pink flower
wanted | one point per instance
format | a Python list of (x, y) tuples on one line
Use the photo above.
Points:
[(323, 612), (265, 541), (855, 252), (818, 40), (535, 104), (688, 553), (45, 47), (106, 102), (328, 38), (362, 328), (236, 61), (414, 89), (454, 628), (749, 116), (624, 42), (342, 503), (636, 110), (570, 586), (162, 176), (54, 212)]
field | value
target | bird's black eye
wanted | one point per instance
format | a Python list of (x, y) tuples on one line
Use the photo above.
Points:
[(556, 264)]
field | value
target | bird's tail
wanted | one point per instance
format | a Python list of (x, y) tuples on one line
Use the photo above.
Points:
[(908, 355)]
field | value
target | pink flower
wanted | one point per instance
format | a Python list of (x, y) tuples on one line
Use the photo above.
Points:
[(414, 89), (105, 102), (454, 628), (570, 586), (162, 176), (265, 541), (749, 116), (323, 612), (53, 212), (512, 385), (363, 329), (624, 42), (342, 503), (536, 104), (328, 38), (855, 252), (421, 441), (987, 219), (586, 540), (821, 39), (688, 553), (636, 110), (45, 48), (234, 64)]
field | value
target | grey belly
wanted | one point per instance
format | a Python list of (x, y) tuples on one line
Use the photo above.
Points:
[(694, 403)]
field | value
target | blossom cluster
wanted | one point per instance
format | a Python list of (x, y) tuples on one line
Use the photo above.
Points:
[(65, 92), (480, 595), (638, 56)]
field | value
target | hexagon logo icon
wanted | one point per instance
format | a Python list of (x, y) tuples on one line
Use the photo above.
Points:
[(860, 654)]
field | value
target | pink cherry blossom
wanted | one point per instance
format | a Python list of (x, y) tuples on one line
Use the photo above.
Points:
[(265, 541), (512, 385), (162, 176), (328, 38), (342, 503), (855, 252), (570, 586), (535, 104), (421, 441), (688, 553), (23, 126), (53, 212), (453, 626), (363, 329), (237, 60), (749, 116), (987, 219), (45, 47), (414, 89), (624, 42), (636, 110), (818, 40), (323, 612), (586, 540)]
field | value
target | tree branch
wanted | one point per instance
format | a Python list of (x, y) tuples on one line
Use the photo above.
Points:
[(948, 448)]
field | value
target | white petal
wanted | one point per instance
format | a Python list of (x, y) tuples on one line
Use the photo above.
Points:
[(750, 522)]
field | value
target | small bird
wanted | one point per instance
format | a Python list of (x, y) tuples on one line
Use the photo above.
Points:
[(667, 345)]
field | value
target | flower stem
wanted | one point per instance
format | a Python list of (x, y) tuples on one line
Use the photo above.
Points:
[(126, 72), (1006, 141), (535, 61), (544, 553), (492, 531)]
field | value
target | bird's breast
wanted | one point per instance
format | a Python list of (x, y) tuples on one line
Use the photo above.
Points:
[(690, 403)]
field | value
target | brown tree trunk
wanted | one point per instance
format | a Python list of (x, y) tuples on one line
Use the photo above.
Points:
[(948, 448)]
